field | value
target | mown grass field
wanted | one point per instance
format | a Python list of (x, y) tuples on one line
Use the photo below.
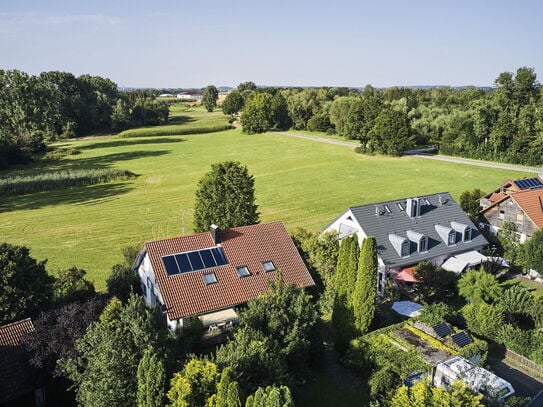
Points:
[(303, 183)]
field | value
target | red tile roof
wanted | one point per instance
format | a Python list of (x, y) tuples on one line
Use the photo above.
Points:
[(15, 371), (531, 202), (187, 294)]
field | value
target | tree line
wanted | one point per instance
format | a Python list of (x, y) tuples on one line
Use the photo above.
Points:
[(35, 109), (503, 123)]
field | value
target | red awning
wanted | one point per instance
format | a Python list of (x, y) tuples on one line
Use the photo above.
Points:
[(406, 275)]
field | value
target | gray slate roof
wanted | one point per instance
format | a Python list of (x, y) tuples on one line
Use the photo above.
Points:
[(397, 222)]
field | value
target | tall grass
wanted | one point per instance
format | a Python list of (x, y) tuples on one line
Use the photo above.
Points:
[(17, 185), (173, 130)]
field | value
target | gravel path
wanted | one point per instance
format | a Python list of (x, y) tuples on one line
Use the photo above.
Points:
[(466, 161)]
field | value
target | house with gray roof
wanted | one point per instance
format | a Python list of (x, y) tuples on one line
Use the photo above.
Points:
[(410, 230)]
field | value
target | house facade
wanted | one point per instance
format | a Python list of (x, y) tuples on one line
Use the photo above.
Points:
[(209, 274), (410, 230), (519, 202)]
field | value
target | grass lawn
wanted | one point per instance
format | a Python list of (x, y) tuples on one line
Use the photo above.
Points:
[(301, 182)]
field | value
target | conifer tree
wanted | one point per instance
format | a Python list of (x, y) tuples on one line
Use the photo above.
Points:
[(234, 395), (227, 376), (342, 314), (365, 291), (151, 380)]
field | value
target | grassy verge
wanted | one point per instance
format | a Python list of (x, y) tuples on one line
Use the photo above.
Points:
[(19, 185)]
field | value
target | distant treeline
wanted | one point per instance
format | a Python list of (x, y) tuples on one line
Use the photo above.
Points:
[(503, 124), (52, 105)]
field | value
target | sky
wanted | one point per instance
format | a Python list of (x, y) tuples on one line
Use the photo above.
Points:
[(182, 44)]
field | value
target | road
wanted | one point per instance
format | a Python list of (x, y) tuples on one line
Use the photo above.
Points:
[(466, 161)]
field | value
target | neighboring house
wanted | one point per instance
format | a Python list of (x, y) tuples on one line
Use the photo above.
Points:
[(475, 378), (191, 96), (410, 230), (18, 379), (166, 95), (519, 202), (209, 274)]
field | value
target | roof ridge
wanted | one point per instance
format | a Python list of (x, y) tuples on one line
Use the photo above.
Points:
[(21, 321), (402, 199)]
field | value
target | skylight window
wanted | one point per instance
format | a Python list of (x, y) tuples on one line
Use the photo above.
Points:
[(268, 266), (387, 209), (400, 206), (210, 278), (243, 271), (427, 202)]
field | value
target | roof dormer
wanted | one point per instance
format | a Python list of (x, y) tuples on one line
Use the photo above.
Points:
[(447, 234), (463, 229), (400, 244), (419, 239)]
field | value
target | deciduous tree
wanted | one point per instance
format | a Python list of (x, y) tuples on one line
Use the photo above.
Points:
[(257, 114), (71, 285), (210, 97), (105, 369), (225, 197), (25, 286), (232, 103)]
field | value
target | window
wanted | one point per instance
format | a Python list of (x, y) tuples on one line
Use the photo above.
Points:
[(423, 244), (427, 202), (268, 266), (467, 234), (387, 209), (520, 217), (210, 278), (452, 238), (405, 248), (143, 289), (400, 206), (243, 271), (149, 284), (501, 215)]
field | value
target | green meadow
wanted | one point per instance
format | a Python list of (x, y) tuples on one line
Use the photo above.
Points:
[(301, 182)]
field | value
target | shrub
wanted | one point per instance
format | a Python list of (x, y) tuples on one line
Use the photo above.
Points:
[(19, 185)]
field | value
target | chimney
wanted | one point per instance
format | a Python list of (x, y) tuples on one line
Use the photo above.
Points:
[(413, 207), (215, 233)]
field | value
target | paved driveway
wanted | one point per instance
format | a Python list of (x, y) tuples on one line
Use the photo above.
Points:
[(524, 385)]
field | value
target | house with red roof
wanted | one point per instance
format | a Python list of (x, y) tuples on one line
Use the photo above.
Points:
[(209, 274), (519, 202), (20, 383)]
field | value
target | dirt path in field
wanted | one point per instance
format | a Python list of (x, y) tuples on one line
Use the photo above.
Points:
[(466, 161)]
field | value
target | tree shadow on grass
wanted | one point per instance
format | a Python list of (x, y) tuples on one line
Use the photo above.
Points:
[(130, 142), (180, 120), (85, 196), (103, 161)]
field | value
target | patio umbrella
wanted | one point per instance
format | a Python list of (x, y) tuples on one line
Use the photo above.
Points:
[(407, 308)]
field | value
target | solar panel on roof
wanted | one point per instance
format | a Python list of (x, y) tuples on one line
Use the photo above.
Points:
[(442, 329), (194, 261), (461, 339), (529, 183), (220, 258), (171, 265), (183, 262), (208, 259)]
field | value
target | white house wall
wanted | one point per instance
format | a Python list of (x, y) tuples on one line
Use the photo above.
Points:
[(347, 219), (148, 283)]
